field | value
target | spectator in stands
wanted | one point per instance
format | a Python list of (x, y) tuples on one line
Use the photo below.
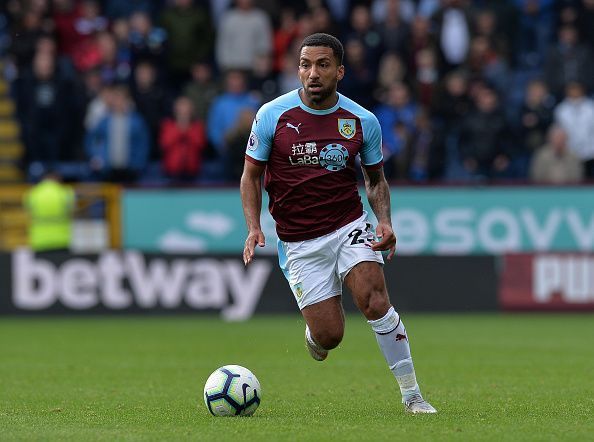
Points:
[(152, 101), (397, 118), (484, 138), (361, 78), (182, 141), (426, 81), (554, 163), (425, 152), (567, 61), (392, 69), (486, 25), (263, 82), (364, 31), (113, 63), (202, 90), (452, 23), (118, 147), (392, 27), (45, 105), (226, 109), (287, 80), (50, 206), (147, 42), (575, 114), (98, 100), (24, 38), (189, 35), (284, 36), (536, 21), (236, 140), (536, 115), (486, 64), (420, 38), (244, 33), (65, 15), (586, 22)]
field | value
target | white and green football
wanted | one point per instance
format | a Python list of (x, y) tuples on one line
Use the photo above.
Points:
[(232, 390)]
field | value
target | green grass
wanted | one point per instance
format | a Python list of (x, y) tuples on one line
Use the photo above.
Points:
[(492, 377)]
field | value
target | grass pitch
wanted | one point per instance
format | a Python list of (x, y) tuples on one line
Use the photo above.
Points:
[(492, 377)]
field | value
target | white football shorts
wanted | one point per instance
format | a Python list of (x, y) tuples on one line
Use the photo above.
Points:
[(316, 268)]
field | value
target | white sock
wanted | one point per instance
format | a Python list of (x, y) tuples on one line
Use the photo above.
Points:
[(393, 341), (311, 341)]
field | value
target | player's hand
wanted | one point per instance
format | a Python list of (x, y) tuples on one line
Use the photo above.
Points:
[(387, 240), (253, 238)]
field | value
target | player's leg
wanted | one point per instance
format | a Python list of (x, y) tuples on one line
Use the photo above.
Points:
[(309, 267), (366, 282), (324, 327)]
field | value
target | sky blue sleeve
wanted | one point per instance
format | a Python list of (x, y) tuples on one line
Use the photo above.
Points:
[(371, 151), (260, 142)]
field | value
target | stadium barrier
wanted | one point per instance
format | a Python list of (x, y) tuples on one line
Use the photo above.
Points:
[(428, 221), (547, 282), (132, 282)]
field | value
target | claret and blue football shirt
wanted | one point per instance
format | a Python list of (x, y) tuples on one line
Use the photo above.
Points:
[(309, 156)]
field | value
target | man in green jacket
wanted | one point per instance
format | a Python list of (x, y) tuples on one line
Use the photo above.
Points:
[(50, 205)]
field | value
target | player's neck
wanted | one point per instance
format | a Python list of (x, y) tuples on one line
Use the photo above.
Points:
[(328, 103)]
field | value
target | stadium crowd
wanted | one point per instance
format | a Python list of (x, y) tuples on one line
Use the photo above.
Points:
[(155, 91)]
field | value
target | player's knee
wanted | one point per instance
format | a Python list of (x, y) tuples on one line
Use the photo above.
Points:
[(377, 304), (329, 338)]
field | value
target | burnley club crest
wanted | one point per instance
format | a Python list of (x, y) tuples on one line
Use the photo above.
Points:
[(347, 127)]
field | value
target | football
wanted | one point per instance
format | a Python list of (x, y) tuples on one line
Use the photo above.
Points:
[(232, 390)]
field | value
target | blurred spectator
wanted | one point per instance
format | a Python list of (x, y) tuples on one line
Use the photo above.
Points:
[(554, 163), (484, 63), (453, 27), (393, 28), (147, 42), (487, 26), (114, 64), (263, 82), (24, 38), (322, 21), (152, 101), (50, 206), (586, 22), (226, 109), (421, 38), (484, 138), (568, 61), (427, 77), (397, 120), (65, 15), (244, 33), (391, 70), (236, 140), (284, 36), (45, 105), (575, 114), (287, 79), (118, 146), (189, 35), (202, 90), (360, 79), (364, 31), (425, 149), (536, 115), (536, 21), (183, 141)]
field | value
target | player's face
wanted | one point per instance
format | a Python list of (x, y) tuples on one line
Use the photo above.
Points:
[(319, 73)]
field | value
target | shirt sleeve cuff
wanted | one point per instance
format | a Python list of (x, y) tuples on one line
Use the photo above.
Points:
[(374, 166), (255, 161)]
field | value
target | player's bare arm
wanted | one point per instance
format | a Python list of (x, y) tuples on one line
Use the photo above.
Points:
[(251, 199), (378, 194)]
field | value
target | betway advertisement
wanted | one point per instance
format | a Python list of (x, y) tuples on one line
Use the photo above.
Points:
[(550, 281), (132, 282), (441, 221)]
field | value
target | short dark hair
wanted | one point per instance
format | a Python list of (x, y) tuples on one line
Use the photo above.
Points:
[(326, 40)]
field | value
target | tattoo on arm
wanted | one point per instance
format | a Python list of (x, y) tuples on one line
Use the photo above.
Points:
[(378, 194)]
